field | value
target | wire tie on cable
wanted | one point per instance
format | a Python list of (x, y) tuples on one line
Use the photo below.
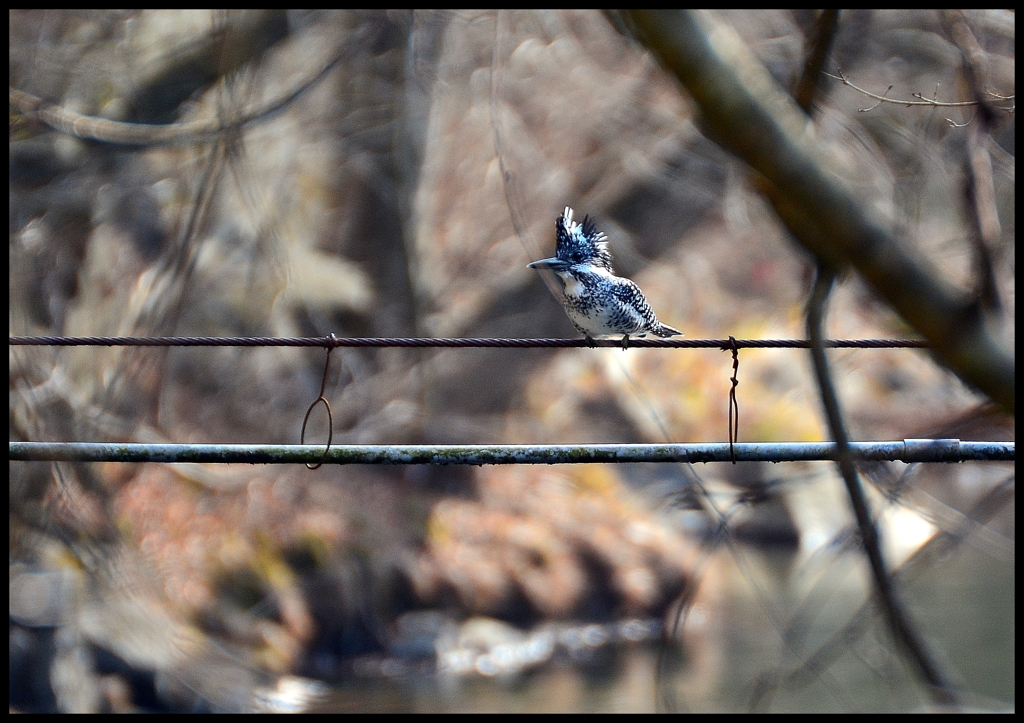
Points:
[(734, 406), (330, 342)]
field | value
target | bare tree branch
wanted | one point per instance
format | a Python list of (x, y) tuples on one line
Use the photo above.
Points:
[(745, 111)]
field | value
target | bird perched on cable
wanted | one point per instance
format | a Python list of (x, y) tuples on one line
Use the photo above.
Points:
[(598, 302)]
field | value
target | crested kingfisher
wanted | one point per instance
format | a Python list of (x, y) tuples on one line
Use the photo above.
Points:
[(598, 302)]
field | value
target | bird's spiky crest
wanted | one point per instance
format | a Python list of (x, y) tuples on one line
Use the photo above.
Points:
[(581, 243)]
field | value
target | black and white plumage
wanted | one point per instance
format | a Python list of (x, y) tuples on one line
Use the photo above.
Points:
[(598, 302)]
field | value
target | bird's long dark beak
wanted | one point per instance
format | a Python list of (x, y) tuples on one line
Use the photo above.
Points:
[(553, 264)]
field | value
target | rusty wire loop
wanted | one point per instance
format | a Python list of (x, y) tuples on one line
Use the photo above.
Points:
[(327, 405), (734, 419)]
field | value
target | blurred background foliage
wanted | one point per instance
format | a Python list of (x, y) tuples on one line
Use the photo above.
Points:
[(402, 194)]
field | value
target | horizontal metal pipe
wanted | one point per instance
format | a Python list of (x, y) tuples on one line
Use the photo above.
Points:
[(908, 450)]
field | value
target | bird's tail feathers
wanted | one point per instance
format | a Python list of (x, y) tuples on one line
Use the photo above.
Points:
[(664, 331)]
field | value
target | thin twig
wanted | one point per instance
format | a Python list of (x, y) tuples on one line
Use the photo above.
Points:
[(899, 622), (921, 100)]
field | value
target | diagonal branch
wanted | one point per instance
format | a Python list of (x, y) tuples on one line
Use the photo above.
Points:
[(744, 110)]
